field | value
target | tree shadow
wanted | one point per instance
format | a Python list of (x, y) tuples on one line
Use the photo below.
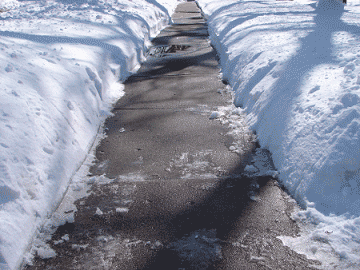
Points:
[(217, 212), (168, 65), (315, 49), (117, 54)]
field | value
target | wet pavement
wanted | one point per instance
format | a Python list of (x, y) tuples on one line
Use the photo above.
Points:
[(178, 196)]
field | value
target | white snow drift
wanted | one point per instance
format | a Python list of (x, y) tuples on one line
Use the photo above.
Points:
[(60, 62), (295, 71)]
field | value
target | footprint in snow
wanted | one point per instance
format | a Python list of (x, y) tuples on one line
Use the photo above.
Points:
[(48, 150)]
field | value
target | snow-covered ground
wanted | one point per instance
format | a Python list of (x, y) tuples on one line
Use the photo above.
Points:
[(295, 69), (60, 62)]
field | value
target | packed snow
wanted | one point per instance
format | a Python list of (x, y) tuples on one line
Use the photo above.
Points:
[(60, 66), (295, 69)]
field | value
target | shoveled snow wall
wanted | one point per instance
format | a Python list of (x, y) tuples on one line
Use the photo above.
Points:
[(61, 67), (295, 70)]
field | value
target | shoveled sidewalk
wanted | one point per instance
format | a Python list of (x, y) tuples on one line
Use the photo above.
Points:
[(178, 198)]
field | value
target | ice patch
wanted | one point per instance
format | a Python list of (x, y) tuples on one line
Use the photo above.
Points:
[(132, 177), (195, 165)]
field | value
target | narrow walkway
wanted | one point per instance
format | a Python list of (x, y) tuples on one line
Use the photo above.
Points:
[(178, 198)]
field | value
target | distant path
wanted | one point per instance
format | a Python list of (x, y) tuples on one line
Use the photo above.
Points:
[(180, 199)]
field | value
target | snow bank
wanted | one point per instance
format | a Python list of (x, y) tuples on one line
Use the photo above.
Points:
[(333, 240), (295, 70), (60, 65), (296, 73)]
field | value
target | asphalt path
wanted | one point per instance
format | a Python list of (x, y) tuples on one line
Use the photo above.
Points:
[(178, 198)]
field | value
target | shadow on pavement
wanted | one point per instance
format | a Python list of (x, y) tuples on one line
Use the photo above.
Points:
[(218, 213)]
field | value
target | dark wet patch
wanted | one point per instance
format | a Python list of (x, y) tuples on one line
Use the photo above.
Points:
[(161, 51)]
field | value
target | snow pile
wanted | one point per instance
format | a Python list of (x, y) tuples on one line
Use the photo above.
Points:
[(234, 119), (295, 69), (333, 240), (60, 62)]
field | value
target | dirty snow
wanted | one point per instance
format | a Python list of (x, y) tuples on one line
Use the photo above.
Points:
[(199, 250), (294, 67)]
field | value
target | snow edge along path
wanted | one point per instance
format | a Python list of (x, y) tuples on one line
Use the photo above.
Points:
[(294, 67), (60, 65)]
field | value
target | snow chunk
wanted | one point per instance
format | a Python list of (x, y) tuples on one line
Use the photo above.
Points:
[(250, 169), (349, 67), (214, 115), (98, 212), (45, 252), (122, 210)]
